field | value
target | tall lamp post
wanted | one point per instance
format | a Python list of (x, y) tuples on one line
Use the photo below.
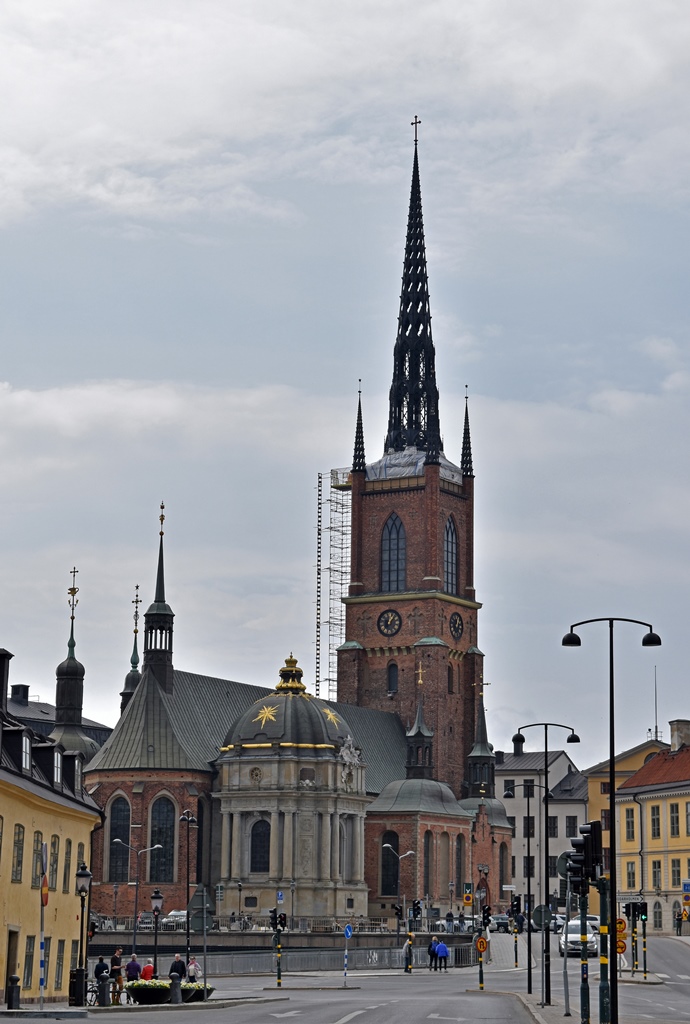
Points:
[(527, 788), (518, 740), (189, 818), (650, 639), (156, 907), (239, 905), (451, 886), (84, 877), (400, 856), (131, 849), (292, 904)]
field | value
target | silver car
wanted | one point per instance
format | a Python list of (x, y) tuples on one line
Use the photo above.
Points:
[(570, 937)]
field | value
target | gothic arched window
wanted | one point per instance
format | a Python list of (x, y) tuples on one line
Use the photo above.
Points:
[(389, 864), (393, 554), (459, 864), (392, 678), (119, 816), (450, 679), (260, 846), (163, 832), (450, 558), (428, 866)]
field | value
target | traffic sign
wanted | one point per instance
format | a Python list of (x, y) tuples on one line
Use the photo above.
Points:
[(512, 888), (541, 916), (44, 891), (621, 924), (481, 945), (621, 946), (628, 897), (686, 898), (279, 896), (348, 931), (686, 885), (467, 899)]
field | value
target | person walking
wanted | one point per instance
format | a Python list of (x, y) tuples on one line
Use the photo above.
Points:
[(407, 954), (193, 969), (178, 966), (433, 955), (520, 921), (133, 968), (442, 955), (116, 975), (679, 922), (100, 969)]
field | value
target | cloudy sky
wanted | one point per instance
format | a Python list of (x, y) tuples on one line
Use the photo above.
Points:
[(202, 217)]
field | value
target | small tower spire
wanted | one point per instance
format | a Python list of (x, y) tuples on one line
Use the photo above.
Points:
[(158, 625), (466, 461), (419, 740), (72, 602), (69, 690), (133, 677), (160, 577), (482, 760), (413, 420), (359, 461)]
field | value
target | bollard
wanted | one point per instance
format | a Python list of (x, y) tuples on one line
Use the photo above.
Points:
[(175, 988), (13, 993), (104, 990)]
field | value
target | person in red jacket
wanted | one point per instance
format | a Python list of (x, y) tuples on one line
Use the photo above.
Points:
[(147, 971)]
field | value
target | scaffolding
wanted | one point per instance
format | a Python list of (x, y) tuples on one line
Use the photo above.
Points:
[(332, 580)]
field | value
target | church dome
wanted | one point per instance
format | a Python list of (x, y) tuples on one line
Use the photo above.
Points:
[(70, 668), (289, 720), (417, 795)]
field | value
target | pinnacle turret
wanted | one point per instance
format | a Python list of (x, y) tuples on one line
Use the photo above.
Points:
[(133, 677), (466, 460), (482, 760), (358, 460)]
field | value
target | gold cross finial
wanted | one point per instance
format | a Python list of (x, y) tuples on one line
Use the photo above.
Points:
[(136, 602), (73, 591), (420, 680), (162, 517), (415, 124)]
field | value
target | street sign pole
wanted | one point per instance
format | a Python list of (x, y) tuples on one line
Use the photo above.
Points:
[(605, 926), (347, 931)]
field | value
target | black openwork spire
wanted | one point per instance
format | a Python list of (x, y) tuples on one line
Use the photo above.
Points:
[(413, 419), (359, 461), (466, 461)]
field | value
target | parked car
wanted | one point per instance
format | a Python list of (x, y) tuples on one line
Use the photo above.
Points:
[(175, 921), (570, 937), (103, 922), (145, 921), (499, 923)]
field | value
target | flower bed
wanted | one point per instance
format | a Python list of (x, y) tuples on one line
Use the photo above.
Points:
[(149, 993), (193, 992)]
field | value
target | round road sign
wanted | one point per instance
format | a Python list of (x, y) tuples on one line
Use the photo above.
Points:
[(621, 945), (621, 924), (481, 945), (348, 931), (541, 916)]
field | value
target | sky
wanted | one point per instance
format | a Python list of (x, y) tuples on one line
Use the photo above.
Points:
[(202, 220)]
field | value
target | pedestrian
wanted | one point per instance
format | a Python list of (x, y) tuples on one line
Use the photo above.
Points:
[(461, 920), (178, 966), (193, 969), (407, 954), (679, 922), (147, 971), (433, 955), (442, 954), (133, 968), (100, 969), (520, 920), (116, 975)]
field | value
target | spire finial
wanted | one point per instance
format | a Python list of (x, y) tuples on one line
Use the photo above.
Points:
[(162, 518), (420, 679), (415, 124), (72, 602), (134, 660)]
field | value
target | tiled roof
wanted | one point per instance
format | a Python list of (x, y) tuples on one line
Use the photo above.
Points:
[(668, 767), (527, 762), (573, 786), (651, 745)]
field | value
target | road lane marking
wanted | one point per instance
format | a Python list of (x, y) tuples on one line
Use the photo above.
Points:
[(349, 1016), (663, 975), (685, 977), (288, 1013)]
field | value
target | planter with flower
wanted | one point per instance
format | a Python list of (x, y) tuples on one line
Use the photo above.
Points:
[(149, 993), (193, 992)]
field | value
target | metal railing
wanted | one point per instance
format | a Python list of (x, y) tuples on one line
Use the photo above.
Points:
[(313, 925)]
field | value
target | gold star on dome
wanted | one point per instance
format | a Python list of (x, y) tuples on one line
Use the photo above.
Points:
[(266, 714), (332, 718)]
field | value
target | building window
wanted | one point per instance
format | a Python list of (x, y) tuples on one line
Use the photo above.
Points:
[(571, 826), (459, 863), (260, 847), (53, 863), (511, 822), (427, 861), (393, 555), (552, 827), (528, 867), (553, 867), (656, 822), (163, 832), (528, 788), (675, 819), (605, 819), (675, 872), (59, 964), (27, 980), (687, 819), (77, 776), (46, 959), (656, 874), (508, 789), (392, 678), (18, 853), (657, 917), (605, 787), (606, 858), (630, 874), (119, 817), (629, 824), (26, 753), (528, 827), (389, 864), (450, 679), (57, 768), (67, 866), (450, 558), (512, 867), (74, 955), (80, 861)]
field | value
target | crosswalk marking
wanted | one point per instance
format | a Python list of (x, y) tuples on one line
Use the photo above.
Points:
[(685, 977), (663, 975)]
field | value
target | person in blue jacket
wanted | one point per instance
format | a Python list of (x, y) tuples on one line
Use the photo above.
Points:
[(442, 954)]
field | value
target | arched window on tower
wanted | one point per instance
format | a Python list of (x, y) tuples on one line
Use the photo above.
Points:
[(450, 558), (428, 865), (119, 817), (163, 832), (260, 847), (393, 555), (459, 864), (392, 679), (450, 679), (389, 864)]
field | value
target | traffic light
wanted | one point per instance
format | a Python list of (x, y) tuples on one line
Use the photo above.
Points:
[(398, 911), (642, 911), (273, 918), (416, 909), (594, 858), (627, 910), (516, 906), (576, 867), (486, 915), (282, 921)]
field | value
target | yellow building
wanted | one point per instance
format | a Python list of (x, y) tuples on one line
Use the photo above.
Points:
[(653, 811), (41, 802), (598, 801)]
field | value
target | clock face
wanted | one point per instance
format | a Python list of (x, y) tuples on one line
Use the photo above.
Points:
[(389, 622), (455, 625)]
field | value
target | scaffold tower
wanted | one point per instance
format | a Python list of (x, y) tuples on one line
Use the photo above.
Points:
[(332, 580)]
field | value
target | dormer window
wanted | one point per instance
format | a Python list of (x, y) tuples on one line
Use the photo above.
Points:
[(57, 768), (77, 777), (26, 753)]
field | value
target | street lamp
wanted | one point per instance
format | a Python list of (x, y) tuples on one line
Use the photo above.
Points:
[(156, 907), (292, 906), (84, 877), (400, 856), (451, 886), (116, 889), (189, 818), (650, 639), (131, 849), (239, 905), (518, 740)]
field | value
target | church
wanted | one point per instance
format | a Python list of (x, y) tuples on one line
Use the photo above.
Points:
[(348, 805)]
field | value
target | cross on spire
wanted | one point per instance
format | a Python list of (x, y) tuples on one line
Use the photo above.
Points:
[(162, 517), (136, 602), (73, 591), (415, 124)]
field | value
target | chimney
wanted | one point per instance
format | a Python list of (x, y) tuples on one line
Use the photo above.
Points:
[(4, 676), (20, 693), (680, 733), (500, 755)]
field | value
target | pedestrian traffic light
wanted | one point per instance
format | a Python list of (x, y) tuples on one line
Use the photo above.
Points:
[(273, 918), (516, 906), (486, 915), (282, 921), (416, 909), (642, 911), (627, 910), (398, 911), (594, 858)]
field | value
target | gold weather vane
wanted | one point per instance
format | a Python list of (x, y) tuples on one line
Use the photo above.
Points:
[(162, 517), (415, 124), (73, 591), (420, 680), (136, 602)]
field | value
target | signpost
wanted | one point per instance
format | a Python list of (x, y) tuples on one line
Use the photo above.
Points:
[(621, 946), (467, 894), (347, 931), (621, 925), (481, 949), (629, 897), (279, 896)]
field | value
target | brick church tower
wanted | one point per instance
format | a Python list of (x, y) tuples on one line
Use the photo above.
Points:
[(411, 600)]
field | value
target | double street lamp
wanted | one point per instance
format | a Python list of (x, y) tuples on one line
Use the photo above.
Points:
[(400, 856), (83, 877), (131, 849), (190, 820), (650, 639)]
